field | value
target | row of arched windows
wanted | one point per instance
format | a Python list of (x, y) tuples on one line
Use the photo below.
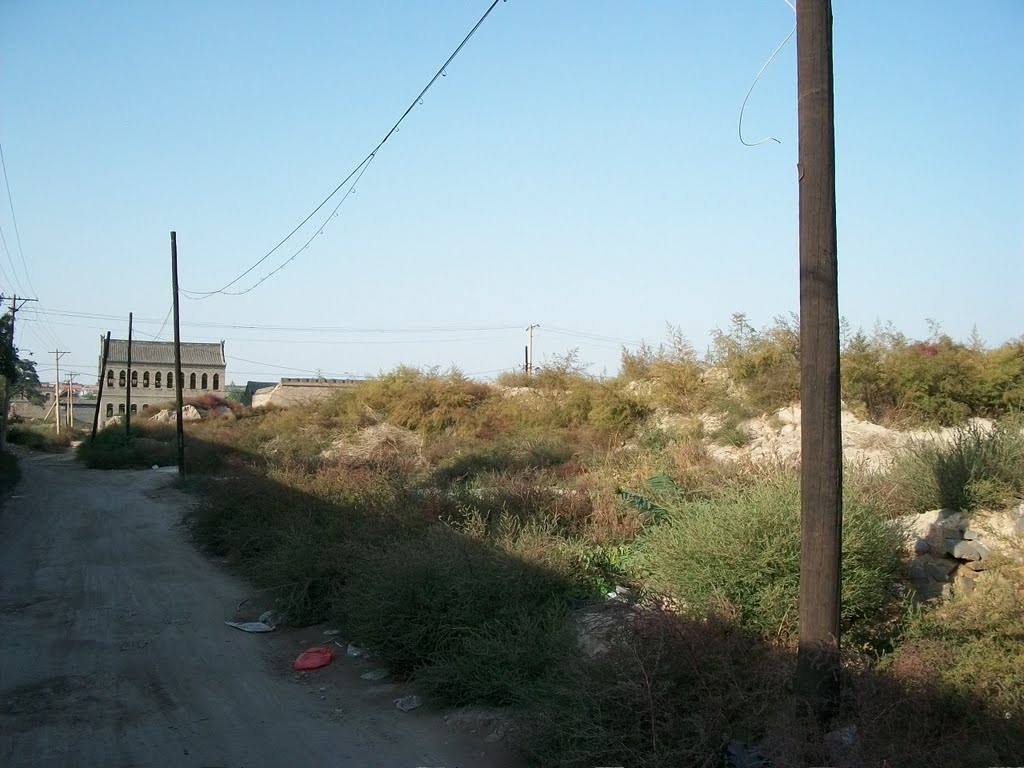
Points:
[(120, 408), (203, 381)]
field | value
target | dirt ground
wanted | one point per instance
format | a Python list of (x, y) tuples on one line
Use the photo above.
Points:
[(114, 651)]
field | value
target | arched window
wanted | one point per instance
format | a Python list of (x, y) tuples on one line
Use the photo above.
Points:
[(205, 381), (110, 377), (145, 406), (135, 379), (110, 410), (145, 379), (170, 380), (216, 381), (192, 381), (121, 379), (120, 408), (135, 408), (156, 379)]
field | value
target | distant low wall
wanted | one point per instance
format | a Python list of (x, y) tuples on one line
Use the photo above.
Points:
[(300, 391)]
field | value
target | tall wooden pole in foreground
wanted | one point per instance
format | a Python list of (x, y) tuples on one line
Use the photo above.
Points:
[(177, 357), (821, 476)]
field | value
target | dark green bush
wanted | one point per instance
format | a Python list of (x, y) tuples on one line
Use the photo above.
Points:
[(41, 437), (467, 620), (738, 554)]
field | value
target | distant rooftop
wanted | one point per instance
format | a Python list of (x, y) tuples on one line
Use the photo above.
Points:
[(162, 353)]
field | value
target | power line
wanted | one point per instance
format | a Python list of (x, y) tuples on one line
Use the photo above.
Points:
[(21, 251), (358, 170), (297, 328), (14, 219), (304, 246), (164, 323)]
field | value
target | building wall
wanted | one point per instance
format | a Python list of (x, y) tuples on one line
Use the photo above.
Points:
[(154, 385), (300, 391)]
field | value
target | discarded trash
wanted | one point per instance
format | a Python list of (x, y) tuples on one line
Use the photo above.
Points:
[(355, 650), (375, 674), (251, 626), (314, 658), (156, 466), (409, 702), (273, 618), (267, 622), (332, 632)]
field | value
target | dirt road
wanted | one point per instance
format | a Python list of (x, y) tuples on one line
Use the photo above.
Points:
[(114, 651)]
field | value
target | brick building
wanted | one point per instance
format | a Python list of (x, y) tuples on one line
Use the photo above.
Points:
[(152, 376)]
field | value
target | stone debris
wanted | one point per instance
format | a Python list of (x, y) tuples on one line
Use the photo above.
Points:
[(948, 551)]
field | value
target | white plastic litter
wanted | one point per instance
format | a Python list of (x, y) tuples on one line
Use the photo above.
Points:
[(409, 702), (355, 650), (267, 623), (251, 626)]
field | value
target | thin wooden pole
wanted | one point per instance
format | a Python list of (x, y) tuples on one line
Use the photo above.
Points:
[(56, 388), (179, 395), (103, 376), (821, 476), (128, 389)]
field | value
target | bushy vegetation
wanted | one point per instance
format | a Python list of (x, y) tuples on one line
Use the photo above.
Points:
[(886, 377), (461, 530), (738, 554), (978, 467), (41, 437)]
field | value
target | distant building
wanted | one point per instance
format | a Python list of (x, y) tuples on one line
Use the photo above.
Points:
[(252, 387), (299, 391), (152, 375)]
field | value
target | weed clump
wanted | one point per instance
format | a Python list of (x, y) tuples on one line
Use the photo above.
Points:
[(977, 467), (466, 619), (738, 554), (40, 437)]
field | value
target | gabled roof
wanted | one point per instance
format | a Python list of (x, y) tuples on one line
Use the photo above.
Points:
[(193, 353)]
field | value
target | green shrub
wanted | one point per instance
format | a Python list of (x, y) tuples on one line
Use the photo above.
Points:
[(149, 445), (40, 437), (739, 554), (976, 468), (765, 364), (499, 456), (731, 432), (469, 621), (425, 401)]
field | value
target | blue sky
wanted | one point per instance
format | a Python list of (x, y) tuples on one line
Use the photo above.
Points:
[(577, 167)]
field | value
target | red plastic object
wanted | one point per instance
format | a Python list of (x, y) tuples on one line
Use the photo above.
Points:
[(314, 658)]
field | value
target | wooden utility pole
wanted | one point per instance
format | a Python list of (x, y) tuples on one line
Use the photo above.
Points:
[(821, 475), (529, 359), (57, 355), (9, 385), (71, 402), (178, 389), (103, 376), (128, 389)]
